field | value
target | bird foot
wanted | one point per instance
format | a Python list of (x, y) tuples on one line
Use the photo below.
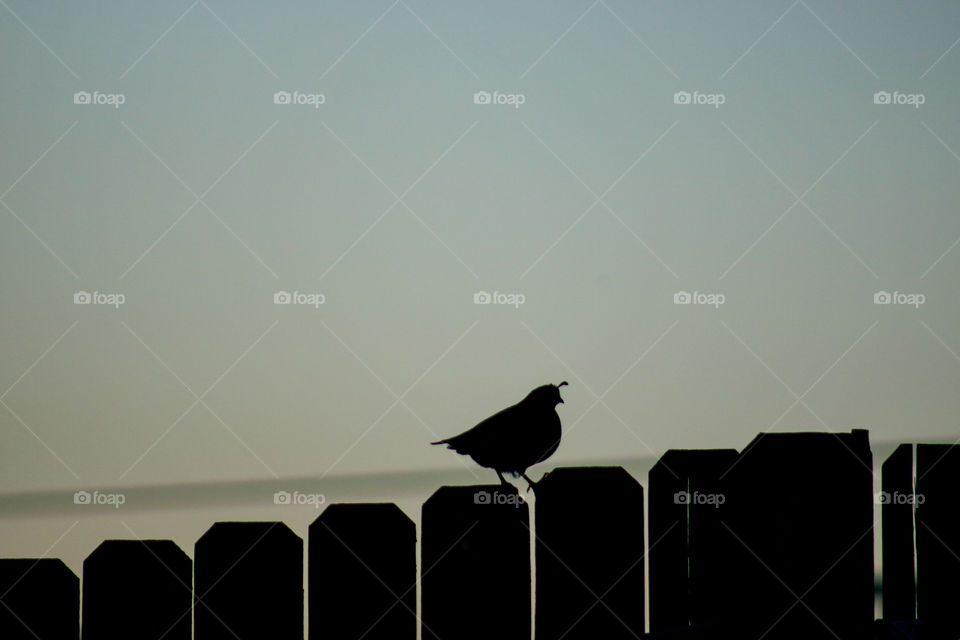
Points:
[(530, 483)]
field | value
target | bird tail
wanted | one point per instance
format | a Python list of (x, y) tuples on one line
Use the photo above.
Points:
[(439, 442)]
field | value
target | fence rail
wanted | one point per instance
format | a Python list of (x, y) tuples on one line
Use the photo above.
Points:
[(774, 541)]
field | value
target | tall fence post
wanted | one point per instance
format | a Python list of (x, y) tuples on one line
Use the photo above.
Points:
[(248, 582), (475, 564), (589, 554), (801, 513), (137, 589), (688, 542), (938, 536), (362, 573), (39, 599), (897, 511)]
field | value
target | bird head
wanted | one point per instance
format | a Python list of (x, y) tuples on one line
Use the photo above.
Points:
[(548, 394)]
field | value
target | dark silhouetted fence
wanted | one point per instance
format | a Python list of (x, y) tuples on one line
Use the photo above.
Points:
[(362, 580), (921, 536), (248, 582), (40, 598), (689, 542), (137, 589), (773, 542), (589, 554), (475, 564)]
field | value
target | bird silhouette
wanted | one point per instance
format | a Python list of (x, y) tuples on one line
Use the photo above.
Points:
[(516, 438)]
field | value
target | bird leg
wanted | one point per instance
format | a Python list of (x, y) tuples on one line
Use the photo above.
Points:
[(502, 479), (531, 484)]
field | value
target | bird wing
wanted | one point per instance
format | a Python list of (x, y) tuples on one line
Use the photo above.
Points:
[(490, 433)]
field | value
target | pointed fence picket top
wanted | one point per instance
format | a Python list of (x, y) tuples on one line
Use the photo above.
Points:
[(589, 554), (475, 564), (687, 505), (39, 599), (896, 506), (800, 508), (938, 536), (248, 582), (362, 573), (137, 589)]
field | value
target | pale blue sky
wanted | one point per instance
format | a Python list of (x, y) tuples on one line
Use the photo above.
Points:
[(491, 198)]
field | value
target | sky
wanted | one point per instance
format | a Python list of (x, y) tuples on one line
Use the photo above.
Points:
[(782, 166)]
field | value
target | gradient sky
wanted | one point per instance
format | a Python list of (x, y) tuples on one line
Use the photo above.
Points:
[(399, 198)]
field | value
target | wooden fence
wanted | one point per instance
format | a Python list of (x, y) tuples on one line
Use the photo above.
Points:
[(774, 541)]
